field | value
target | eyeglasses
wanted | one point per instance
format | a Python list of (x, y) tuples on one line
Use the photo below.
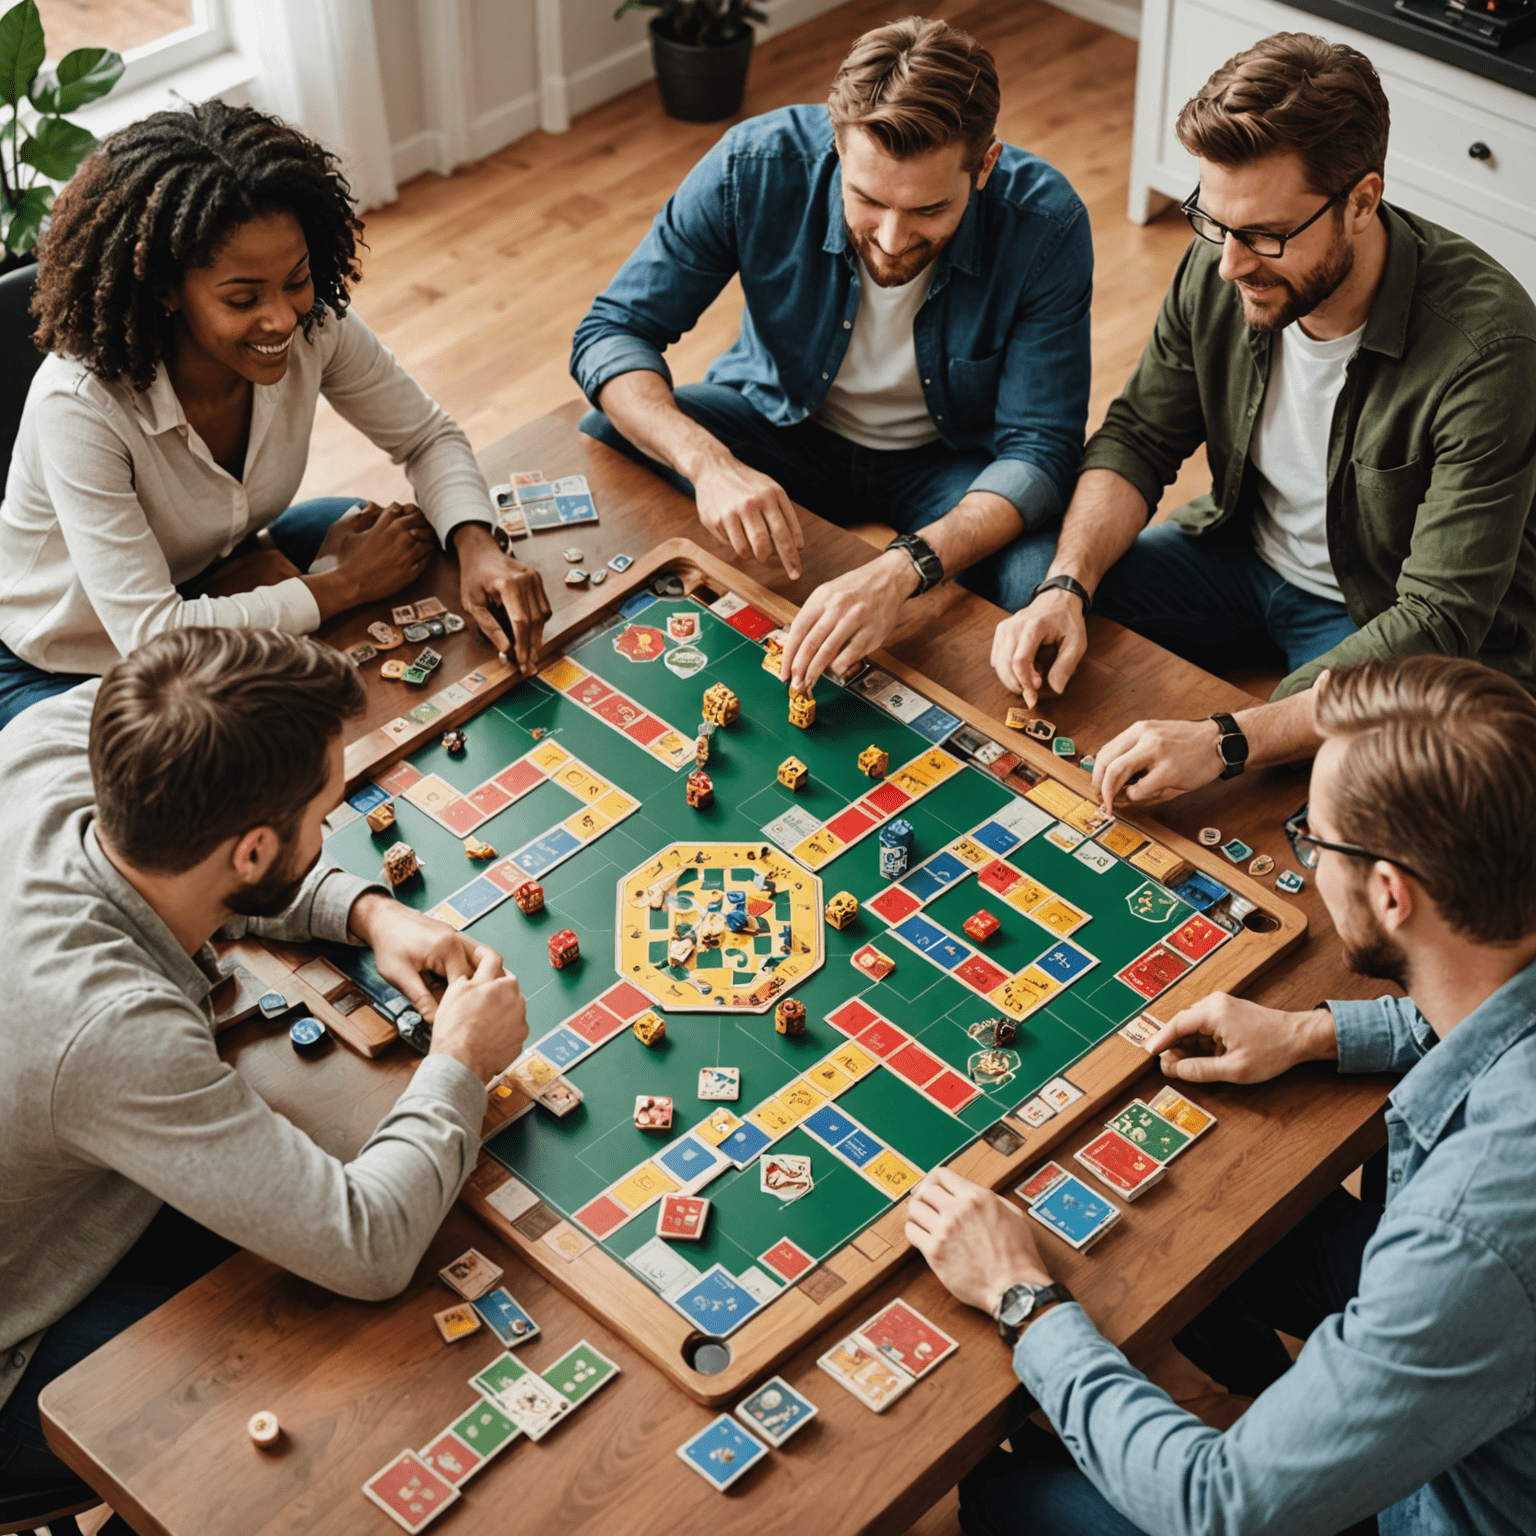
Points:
[(1308, 849), (1260, 242)]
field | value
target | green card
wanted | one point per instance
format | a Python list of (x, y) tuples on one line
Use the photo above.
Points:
[(486, 1428), (580, 1372), (1149, 1131), (500, 1374)]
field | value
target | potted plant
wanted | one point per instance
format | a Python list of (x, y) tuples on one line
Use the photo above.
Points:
[(701, 49), (39, 146)]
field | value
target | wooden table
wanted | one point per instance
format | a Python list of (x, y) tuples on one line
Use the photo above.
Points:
[(155, 1419)]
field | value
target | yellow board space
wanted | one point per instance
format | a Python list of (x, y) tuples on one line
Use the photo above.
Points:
[(666, 898)]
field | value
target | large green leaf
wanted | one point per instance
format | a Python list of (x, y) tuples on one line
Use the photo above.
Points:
[(56, 147), (31, 209), (82, 76), (22, 50)]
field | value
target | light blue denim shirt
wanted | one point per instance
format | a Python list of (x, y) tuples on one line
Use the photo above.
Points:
[(1419, 1399), (1002, 337)]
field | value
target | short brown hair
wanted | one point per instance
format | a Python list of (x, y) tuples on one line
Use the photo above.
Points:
[(1293, 93), (1439, 771), (917, 85), (202, 734)]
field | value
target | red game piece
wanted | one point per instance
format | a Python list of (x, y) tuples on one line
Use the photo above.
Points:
[(981, 926), (564, 947), (789, 1017), (700, 790), (529, 897)]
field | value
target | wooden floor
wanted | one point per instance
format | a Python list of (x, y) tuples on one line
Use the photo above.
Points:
[(477, 280)]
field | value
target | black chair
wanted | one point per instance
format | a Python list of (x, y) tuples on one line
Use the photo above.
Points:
[(27, 1505), (19, 359)]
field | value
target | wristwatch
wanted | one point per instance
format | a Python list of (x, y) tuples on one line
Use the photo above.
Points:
[(1019, 1303), (1066, 584), (930, 569), (1231, 746)]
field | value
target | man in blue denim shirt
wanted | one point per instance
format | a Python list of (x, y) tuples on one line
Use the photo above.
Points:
[(1415, 1394), (914, 343)]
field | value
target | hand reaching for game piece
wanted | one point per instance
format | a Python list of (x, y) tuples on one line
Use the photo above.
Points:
[(482, 1020), (749, 511), (488, 578), (846, 618), (1155, 760), (1053, 622), (1223, 1039), (974, 1240), (409, 948)]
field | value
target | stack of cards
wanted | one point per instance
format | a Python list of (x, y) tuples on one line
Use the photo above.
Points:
[(1077, 1215), (1136, 1147), (882, 1359), (776, 1411), (471, 1274), (1118, 1162)]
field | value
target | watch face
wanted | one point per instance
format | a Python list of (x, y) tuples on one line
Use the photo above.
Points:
[(1017, 1305)]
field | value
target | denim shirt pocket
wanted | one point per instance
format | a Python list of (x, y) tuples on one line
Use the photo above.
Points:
[(973, 390)]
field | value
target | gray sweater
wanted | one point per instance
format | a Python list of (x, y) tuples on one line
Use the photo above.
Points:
[(113, 1098)]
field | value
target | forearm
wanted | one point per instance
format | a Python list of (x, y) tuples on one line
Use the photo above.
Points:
[(980, 523), (1283, 731), (1106, 514), (641, 405)]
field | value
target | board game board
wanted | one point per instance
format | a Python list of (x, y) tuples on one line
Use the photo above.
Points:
[(577, 778)]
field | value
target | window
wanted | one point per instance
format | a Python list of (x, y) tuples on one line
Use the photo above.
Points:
[(155, 37)]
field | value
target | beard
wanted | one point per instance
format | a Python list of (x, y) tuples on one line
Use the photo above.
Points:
[(1286, 301), (274, 892), (1375, 953), (895, 271)]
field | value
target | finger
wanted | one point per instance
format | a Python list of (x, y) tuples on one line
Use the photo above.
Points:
[(758, 536), (845, 633), (803, 623), (735, 535), (1122, 766), (1069, 651), (824, 622), (923, 1241), (488, 625), (1204, 1069), (784, 530), (1192, 1021)]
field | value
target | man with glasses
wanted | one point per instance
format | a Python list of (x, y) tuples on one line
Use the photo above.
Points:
[(1412, 1398), (1364, 384)]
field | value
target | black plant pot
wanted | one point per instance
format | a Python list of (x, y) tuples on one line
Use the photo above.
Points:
[(701, 83)]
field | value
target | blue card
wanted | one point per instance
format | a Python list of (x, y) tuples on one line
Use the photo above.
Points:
[(997, 837), (505, 1318), (367, 797), (636, 604), (687, 1159), (935, 724), (1075, 1213), (722, 1451), (946, 868), (1200, 891), (717, 1302), (576, 509), (563, 1046), (1064, 962), (828, 1125), (745, 1142), (922, 884), (859, 1148), (475, 898), (776, 1411), (920, 933), (948, 952)]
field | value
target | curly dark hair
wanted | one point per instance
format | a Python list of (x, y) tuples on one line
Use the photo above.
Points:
[(158, 198)]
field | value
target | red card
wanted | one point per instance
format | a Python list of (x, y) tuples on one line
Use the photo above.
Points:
[(873, 962), (490, 797), (399, 778), (589, 692), (752, 622), (625, 1001), (901, 1334), (1119, 1162), (887, 799), (1196, 938), (1002, 766), (915, 1064), (850, 824), (1041, 1182), (1153, 972), (981, 974), (602, 1216), (952, 1091), (519, 778), (682, 1216), (998, 876), (461, 816), (882, 1037), (646, 729), (786, 1259), (506, 874), (893, 904), (617, 710), (852, 1017), (595, 1023), (451, 1456), (410, 1491)]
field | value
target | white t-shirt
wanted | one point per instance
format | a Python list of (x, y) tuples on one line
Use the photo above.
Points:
[(1290, 452), (876, 400)]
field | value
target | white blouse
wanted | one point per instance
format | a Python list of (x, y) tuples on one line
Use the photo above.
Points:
[(113, 500)]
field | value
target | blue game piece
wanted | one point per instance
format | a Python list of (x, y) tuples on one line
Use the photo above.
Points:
[(897, 833), (737, 921), (273, 1004), (737, 899), (307, 1034), (893, 861)]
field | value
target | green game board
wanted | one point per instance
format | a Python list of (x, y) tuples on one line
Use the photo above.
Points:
[(570, 1162)]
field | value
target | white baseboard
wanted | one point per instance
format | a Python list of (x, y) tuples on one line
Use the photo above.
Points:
[(502, 125), (1122, 16), (609, 77)]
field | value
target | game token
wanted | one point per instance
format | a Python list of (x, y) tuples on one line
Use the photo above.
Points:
[(273, 1005), (471, 1274), (415, 675), (502, 1315), (382, 817), (453, 623), (1039, 730), (456, 1322), (1210, 836), (722, 1452), (475, 849), (405, 614), (699, 790), (263, 1427), (427, 660), (436, 629), (874, 963), (1289, 882), (668, 585), (981, 926), (874, 761), (776, 1411), (561, 1097), (649, 1029), (393, 670), (720, 1083), (1236, 850), (529, 897), (453, 742), (599, 577), (400, 863), (1016, 719), (572, 556), (564, 949), (360, 654), (307, 1034), (1064, 746), (1261, 865), (620, 563), (793, 773), (1086, 762), (842, 909), (416, 633), (576, 577), (784, 1175), (428, 608), (682, 1217), (802, 710), (653, 1112), (789, 1017)]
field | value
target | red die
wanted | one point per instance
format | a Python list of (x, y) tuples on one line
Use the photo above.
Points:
[(529, 896), (564, 947), (982, 926)]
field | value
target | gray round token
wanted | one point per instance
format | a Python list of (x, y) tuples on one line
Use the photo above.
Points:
[(573, 556)]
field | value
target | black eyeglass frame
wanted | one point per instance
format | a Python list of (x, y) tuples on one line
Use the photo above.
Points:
[(1192, 211), (1297, 834)]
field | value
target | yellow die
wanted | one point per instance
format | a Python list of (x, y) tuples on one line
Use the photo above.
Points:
[(874, 761), (650, 1029), (721, 705), (842, 909), (793, 773), (802, 710)]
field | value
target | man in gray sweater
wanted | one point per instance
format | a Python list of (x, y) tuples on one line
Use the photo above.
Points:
[(178, 798)]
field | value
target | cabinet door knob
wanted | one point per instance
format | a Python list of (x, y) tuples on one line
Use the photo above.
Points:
[(1480, 151)]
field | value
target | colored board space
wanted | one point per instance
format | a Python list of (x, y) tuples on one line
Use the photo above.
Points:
[(587, 765)]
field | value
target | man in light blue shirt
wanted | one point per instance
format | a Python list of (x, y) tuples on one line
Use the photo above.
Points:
[(914, 345), (1414, 1397)]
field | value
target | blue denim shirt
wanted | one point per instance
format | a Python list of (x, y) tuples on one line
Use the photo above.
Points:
[(1419, 1399), (1001, 339)]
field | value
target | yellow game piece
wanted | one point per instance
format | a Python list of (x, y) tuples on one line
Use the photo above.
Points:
[(721, 705), (802, 710), (399, 863), (874, 761), (650, 1029), (475, 849), (1016, 719), (382, 817), (793, 773), (842, 909)]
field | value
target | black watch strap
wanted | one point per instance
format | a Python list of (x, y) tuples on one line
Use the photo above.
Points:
[(1066, 584), (1231, 745), (1038, 1296), (930, 569)]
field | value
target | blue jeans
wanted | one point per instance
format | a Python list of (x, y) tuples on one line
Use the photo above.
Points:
[(298, 535), (907, 488), (1212, 601), (172, 1252), (1307, 1276)]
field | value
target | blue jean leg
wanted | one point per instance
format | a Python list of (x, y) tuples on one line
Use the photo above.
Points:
[(1304, 625), (1036, 1487), (299, 532), (22, 684)]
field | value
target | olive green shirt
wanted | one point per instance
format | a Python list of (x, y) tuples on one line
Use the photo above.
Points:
[(1431, 456)]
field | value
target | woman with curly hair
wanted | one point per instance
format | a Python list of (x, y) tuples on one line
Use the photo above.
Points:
[(192, 291)]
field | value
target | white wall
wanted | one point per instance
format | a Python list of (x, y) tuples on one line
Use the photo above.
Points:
[(1122, 16)]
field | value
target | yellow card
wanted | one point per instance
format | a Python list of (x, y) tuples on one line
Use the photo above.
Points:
[(717, 1125), (1060, 916), (432, 794), (817, 849), (446, 914), (1055, 797), (829, 1077), (645, 1184), (1029, 990), (853, 1059), (615, 805), (548, 755), (586, 824), (1120, 839), (567, 1241), (533, 1073), (1027, 895), (1089, 817), (1159, 862), (580, 781), (800, 1098), (772, 1117), (970, 852), (895, 1175), (562, 674)]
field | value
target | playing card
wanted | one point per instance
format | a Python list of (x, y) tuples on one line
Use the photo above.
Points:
[(485, 1428), (528, 1400), (1035, 1112), (453, 1458), (580, 1371), (410, 1492), (785, 1175), (471, 1274), (720, 1083), (1121, 1164), (457, 1322), (682, 1217), (1173, 1107), (776, 1411), (1075, 1213), (505, 1318), (906, 1338), (1160, 1139), (722, 1452), (872, 1379), (1041, 1182), (1060, 1094), (873, 962), (662, 1265), (756, 1283), (512, 1199), (717, 1302)]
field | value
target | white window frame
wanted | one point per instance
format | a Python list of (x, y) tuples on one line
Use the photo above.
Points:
[(209, 34)]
